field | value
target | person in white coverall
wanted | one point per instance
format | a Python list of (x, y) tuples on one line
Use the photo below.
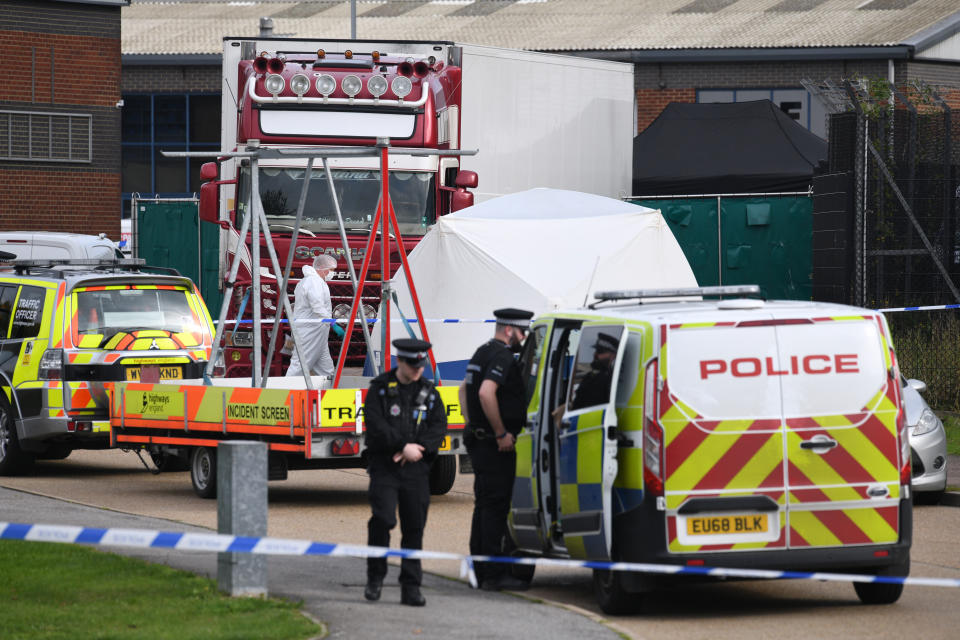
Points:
[(312, 302)]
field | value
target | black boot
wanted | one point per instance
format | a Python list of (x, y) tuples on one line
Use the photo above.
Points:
[(372, 590), (410, 594)]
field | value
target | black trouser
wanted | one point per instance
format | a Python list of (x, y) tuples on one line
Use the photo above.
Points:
[(409, 489), (493, 474)]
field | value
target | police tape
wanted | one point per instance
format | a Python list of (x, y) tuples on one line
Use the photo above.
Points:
[(369, 321), (936, 307), (150, 539)]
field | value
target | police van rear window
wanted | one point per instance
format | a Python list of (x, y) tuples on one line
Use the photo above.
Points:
[(787, 370)]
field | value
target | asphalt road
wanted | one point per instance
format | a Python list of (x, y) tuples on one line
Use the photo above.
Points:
[(331, 506)]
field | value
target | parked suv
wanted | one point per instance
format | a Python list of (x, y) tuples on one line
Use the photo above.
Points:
[(67, 327)]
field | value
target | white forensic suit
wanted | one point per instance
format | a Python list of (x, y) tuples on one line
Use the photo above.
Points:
[(311, 302)]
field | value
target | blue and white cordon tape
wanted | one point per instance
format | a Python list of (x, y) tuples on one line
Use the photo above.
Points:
[(936, 307), (145, 538)]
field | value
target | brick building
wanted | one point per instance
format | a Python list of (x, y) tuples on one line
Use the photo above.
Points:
[(59, 115), (682, 51)]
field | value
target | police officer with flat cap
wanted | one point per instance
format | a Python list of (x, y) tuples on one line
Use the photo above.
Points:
[(594, 388), (493, 403), (406, 424)]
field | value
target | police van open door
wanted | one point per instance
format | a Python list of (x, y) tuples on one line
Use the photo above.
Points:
[(588, 440)]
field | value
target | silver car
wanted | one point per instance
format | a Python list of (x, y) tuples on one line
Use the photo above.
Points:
[(928, 444)]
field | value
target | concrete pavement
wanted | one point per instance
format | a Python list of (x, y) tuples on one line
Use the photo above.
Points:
[(332, 588)]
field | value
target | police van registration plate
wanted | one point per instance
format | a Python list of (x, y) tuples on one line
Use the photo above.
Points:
[(445, 445), (722, 525), (166, 373)]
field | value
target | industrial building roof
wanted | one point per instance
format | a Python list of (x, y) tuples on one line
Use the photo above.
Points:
[(177, 27)]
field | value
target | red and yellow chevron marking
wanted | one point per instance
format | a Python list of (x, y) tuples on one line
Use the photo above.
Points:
[(823, 496), (80, 397)]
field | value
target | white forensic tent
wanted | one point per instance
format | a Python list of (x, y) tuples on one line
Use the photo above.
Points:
[(541, 250)]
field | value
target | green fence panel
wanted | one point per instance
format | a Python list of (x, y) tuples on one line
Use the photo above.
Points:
[(694, 225), (764, 240), (768, 241), (169, 234)]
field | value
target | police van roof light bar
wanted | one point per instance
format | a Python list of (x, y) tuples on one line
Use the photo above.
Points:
[(631, 294)]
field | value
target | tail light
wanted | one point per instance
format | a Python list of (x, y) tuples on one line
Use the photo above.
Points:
[(420, 68), (219, 368), (51, 365), (652, 435), (260, 64), (275, 65), (903, 442)]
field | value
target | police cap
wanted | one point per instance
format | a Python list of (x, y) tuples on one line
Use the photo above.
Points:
[(606, 342), (513, 317), (412, 350)]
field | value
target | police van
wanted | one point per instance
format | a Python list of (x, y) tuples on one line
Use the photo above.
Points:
[(68, 327), (688, 427)]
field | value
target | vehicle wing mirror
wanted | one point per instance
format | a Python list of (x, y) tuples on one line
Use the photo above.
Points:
[(918, 385), (209, 206), (466, 180), (209, 171)]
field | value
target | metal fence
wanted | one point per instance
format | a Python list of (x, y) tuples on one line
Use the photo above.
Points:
[(901, 144)]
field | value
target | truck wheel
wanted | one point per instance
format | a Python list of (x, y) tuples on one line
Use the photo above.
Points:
[(203, 471), (13, 459), (611, 596), (443, 472), (882, 592)]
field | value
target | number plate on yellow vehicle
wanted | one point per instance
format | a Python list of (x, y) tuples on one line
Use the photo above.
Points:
[(722, 525), (445, 445), (166, 373)]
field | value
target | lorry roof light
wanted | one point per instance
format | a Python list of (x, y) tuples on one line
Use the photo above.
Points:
[(402, 86), (321, 54), (377, 86), (375, 55), (300, 84), (348, 54), (274, 83), (326, 84), (351, 85)]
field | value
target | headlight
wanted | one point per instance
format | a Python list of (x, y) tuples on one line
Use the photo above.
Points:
[(274, 83), (326, 84), (377, 86), (369, 312), (351, 85), (341, 311), (300, 84), (401, 86), (928, 422)]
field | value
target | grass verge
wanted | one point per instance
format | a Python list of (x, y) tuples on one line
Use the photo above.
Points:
[(53, 591)]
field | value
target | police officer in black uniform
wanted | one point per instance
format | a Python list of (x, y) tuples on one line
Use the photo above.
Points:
[(493, 402), (594, 388), (406, 424)]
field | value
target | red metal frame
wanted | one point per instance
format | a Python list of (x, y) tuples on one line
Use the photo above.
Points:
[(386, 217)]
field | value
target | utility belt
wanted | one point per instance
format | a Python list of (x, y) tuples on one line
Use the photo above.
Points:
[(481, 433)]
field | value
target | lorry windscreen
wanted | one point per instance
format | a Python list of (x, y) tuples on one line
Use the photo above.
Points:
[(358, 192)]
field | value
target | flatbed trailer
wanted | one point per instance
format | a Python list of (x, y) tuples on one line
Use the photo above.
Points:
[(185, 421)]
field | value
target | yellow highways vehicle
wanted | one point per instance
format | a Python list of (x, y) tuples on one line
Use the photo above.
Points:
[(665, 427), (69, 327)]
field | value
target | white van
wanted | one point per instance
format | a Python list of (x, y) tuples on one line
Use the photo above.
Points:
[(741, 433), (42, 245)]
